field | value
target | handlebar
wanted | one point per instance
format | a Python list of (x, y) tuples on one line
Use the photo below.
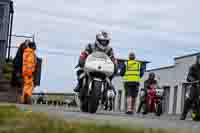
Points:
[(193, 82)]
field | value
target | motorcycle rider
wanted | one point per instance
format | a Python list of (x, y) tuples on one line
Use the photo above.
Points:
[(101, 44), (193, 75), (150, 81)]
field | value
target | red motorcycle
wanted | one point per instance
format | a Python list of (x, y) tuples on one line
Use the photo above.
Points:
[(154, 100)]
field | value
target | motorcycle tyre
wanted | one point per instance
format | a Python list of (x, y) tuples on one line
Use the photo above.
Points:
[(93, 101), (158, 110), (145, 109), (83, 100), (84, 105)]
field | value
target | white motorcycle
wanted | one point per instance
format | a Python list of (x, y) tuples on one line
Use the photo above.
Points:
[(97, 69)]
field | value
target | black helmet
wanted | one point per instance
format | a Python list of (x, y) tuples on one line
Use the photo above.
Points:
[(152, 75), (131, 56), (102, 40), (32, 45), (27, 43)]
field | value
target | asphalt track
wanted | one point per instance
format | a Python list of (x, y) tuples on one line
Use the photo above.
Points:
[(117, 118)]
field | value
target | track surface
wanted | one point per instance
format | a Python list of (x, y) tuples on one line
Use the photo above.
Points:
[(115, 118)]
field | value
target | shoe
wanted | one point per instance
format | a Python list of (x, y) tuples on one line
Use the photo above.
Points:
[(129, 112), (77, 88), (144, 113), (105, 107), (182, 117)]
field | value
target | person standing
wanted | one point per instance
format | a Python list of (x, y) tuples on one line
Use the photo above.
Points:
[(28, 68), (17, 80), (132, 73)]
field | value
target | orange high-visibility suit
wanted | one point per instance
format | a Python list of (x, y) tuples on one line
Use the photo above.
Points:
[(28, 68)]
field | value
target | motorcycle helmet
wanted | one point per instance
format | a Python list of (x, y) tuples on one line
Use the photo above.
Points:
[(152, 75), (102, 40), (26, 43), (131, 56), (32, 45)]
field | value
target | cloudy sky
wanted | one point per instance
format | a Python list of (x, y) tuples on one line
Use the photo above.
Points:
[(156, 30)]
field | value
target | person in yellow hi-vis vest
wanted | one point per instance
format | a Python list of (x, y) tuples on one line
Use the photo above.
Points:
[(132, 73), (28, 69)]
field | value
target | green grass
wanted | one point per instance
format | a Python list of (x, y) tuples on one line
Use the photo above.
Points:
[(7, 71), (12, 120)]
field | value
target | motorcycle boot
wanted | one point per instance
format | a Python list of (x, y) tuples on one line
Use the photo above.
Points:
[(80, 75), (77, 88)]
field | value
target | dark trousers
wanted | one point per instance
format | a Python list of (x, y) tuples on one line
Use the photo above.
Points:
[(142, 102), (194, 93)]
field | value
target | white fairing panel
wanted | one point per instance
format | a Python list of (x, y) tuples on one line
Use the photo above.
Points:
[(110, 94), (99, 62)]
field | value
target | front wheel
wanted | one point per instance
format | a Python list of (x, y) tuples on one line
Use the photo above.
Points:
[(84, 104), (93, 102), (83, 100), (158, 109), (144, 108)]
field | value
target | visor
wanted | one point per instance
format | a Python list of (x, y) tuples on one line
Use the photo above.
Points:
[(104, 42)]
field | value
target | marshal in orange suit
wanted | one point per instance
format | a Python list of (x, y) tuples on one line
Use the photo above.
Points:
[(28, 69)]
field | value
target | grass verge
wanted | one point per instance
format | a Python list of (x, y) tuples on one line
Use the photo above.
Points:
[(12, 120)]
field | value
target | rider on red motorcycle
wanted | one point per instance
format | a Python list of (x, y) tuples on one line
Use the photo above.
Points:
[(147, 85)]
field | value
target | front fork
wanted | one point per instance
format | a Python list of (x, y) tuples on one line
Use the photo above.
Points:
[(105, 85), (157, 102), (91, 84)]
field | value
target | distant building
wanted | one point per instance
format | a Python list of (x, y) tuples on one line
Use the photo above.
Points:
[(6, 10), (171, 78)]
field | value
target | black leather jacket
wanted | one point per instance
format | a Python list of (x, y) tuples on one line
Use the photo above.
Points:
[(194, 73), (90, 48)]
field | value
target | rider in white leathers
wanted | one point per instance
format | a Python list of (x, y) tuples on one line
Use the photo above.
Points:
[(101, 44)]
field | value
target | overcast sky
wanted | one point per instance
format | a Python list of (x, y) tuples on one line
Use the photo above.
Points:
[(156, 30)]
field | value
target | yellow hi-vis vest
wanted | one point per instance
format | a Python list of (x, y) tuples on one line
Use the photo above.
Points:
[(132, 73)]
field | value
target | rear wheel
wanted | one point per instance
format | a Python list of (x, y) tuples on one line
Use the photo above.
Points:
[(144, 108), (93, 102)]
